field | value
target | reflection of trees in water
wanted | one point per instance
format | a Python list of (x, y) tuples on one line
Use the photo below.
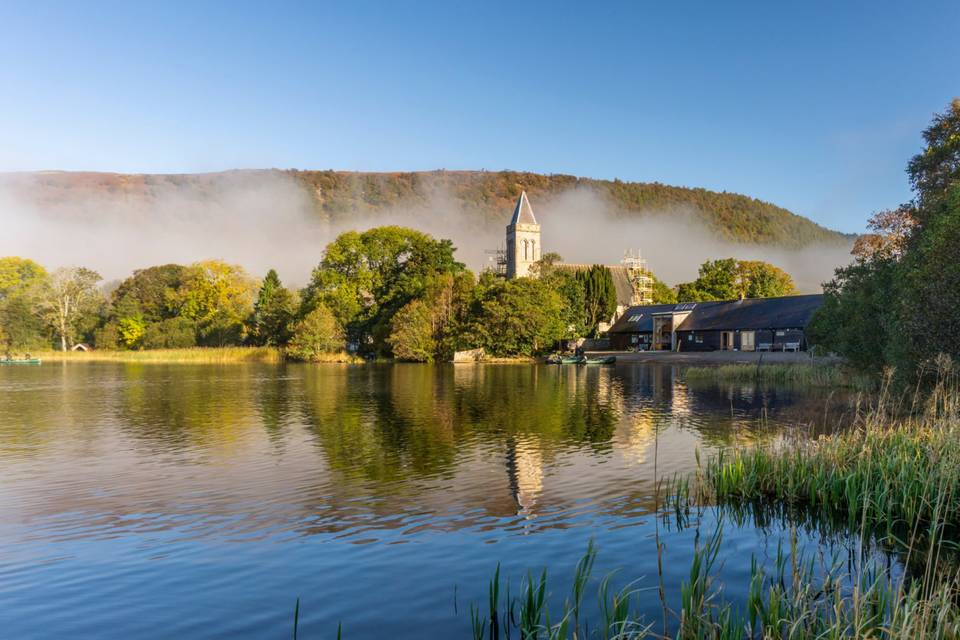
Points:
[(185, 406)]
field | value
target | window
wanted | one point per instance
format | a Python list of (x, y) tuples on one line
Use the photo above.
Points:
[(635, 317), (533, 249)]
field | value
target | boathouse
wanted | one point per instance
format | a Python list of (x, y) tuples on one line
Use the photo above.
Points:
[(752, 324)]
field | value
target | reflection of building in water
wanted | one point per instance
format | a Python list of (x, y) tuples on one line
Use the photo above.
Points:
[(525, 468), (642, 431)]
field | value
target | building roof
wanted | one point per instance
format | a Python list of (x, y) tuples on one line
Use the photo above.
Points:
[(523, 212), (639, 319), (621, 279), (788, 312)]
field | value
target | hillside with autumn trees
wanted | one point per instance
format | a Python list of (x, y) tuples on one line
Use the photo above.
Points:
[(482, 196)]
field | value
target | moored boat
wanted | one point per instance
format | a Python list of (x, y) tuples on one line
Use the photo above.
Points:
[(20, 360), (603, 360), (558, 359)]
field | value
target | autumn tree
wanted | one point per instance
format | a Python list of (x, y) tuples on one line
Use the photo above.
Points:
[(21, 322), (218, 297), (69, 299)]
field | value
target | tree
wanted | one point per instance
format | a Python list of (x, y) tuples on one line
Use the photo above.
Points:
[(899, 304), (600, 294), (937, 168), (131, 331), (16, 273), (218, 297), (365, 278), (316, 334), (412, 337), (273, 313), (69, 298), (729, 279), (142, 308), (22, 282), (662, 294), (518, 317), (759, 279)]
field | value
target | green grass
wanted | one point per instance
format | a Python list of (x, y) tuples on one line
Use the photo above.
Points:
[(808, 374)]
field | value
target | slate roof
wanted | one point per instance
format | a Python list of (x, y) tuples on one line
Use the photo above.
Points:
[(788, 312), (523, 212), (629, 322)]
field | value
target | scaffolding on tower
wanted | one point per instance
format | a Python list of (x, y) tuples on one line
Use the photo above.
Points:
[(497, 261), (641, 278)]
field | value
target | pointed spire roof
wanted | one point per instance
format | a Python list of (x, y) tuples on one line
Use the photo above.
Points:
[(523, 212)]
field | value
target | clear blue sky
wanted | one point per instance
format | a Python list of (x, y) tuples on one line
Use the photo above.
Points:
[(815, 106)]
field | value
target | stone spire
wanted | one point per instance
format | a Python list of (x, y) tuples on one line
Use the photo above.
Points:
[(523, 239), (523, 212)]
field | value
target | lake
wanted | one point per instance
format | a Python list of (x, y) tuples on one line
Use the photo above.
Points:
[(151, 501)]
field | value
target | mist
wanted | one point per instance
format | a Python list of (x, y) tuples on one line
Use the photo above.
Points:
[(264, 220)]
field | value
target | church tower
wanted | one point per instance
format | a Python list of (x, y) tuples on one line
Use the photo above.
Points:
[(523, 239)]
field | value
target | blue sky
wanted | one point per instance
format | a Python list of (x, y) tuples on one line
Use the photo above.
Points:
[(816, 106)]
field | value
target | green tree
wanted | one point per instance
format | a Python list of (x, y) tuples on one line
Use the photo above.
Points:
[(273, 313), (318, 333), (855, 319), (412, 337), (763, 280), (729, 278), (937, 168), (365, 278), (662, 294), (599, 295), (147, 300), (899, 305), (518, 317)]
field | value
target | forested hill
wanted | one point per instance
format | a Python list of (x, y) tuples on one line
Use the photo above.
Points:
[(336, 195)]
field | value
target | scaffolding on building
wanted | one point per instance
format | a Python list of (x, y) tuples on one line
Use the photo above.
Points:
[(497, 261), (641, 278)]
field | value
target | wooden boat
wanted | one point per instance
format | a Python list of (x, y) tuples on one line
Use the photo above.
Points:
[(20, 361), (603, 360)]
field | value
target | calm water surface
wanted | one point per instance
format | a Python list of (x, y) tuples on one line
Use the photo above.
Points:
[(151, 501)]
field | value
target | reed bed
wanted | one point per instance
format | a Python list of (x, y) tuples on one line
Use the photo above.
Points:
[(794, 599), (893, 480), (194, 355), (814, 374)]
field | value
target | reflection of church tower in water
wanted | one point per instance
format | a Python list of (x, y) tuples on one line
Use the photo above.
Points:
[(525, 470), (523, 239)]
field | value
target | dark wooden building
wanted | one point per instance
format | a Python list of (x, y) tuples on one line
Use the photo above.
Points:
[(761, 324)]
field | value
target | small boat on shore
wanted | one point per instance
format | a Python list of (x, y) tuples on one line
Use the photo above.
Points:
[(20, 361), (558, 359), (603, 360)]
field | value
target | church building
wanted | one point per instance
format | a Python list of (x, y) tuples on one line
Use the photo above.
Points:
[(523, 239), (524, 249)]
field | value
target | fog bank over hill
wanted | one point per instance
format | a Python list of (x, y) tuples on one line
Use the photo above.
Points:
[(276, 219)]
